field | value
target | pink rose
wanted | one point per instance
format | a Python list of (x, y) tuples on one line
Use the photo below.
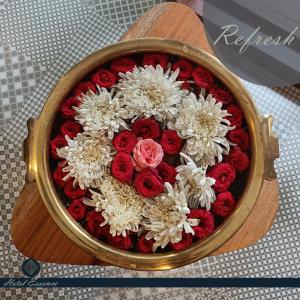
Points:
[(147, 153)]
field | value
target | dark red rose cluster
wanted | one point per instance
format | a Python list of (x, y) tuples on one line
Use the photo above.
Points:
[(143, 156), (226, 174)]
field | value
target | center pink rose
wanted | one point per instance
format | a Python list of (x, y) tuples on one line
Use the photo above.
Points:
[(147, 153)]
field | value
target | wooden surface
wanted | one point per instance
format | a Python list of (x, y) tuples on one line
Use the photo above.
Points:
[(36, 235), (258, 223)]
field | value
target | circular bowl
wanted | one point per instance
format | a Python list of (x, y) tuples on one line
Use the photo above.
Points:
[(264, 149)]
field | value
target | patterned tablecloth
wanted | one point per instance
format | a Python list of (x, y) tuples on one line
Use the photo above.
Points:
[(40, 40)]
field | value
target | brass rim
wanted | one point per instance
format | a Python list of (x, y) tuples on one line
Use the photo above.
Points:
[(101, 250)]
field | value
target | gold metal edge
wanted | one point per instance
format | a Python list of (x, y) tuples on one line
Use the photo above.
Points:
[(127, 259), (271, 147), (28, 151)]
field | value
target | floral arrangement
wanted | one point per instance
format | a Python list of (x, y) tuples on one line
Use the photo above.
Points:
[(150, 153)]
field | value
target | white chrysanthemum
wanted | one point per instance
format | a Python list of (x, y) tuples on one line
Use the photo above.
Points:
[(166, 217), (150, 91), (199, 186), (202, 122), (101, 112), (121, 206), (88, 157)]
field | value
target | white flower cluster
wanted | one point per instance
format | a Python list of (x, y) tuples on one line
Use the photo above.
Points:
[(102, 112), (200, 192), (202, 123), (88, 157), (166, 217), (149, 91), (120, 205)]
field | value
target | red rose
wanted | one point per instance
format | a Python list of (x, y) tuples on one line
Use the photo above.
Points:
[(122, 167), (171, 142), (67, 110), (206, 222), (221, 95), (57, 143), (184, 243), (200, 233), (83, 88), (70, 128), (144, 245), (239, 137), (202, 77), (224, 174), (166, 172), (125, 141), (185, 68), (93, 221), (206, 219), (148, 184), (223, 205), (236, 118), (185, 85), (146, 128), (104, 78), (120, 241), (122, 65), (154, 59), (238, 159), (73, 192), (59, 174), (77, 209)]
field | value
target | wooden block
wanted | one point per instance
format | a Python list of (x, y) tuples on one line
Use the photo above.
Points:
[(36, 235), (258, 223), (34, 232)]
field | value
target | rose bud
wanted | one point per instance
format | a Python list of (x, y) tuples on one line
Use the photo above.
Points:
[(120, 241), (73, 192), (148, 184), (184, 243), (224, 174), (83, 88), (223, 205), (221, 95), (70, 128), (185, 68), (171, 142), (200, 233), (154, 59), (122, 65), (93, 221), (122, 167), (144, 245), (147, 153), (77, 209), (236, 118), (125, 141), (238, 159), (202, 77), (206, 222), (58, 142), (146, 128), (185, 85), (104, 78), (59, 174), (166, 172), (67, 109), (239, 137)]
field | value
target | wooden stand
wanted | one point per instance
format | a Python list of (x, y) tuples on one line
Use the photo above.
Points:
[(34, 232)]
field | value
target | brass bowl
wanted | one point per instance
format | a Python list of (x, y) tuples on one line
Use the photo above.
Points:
[(263, 152)]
